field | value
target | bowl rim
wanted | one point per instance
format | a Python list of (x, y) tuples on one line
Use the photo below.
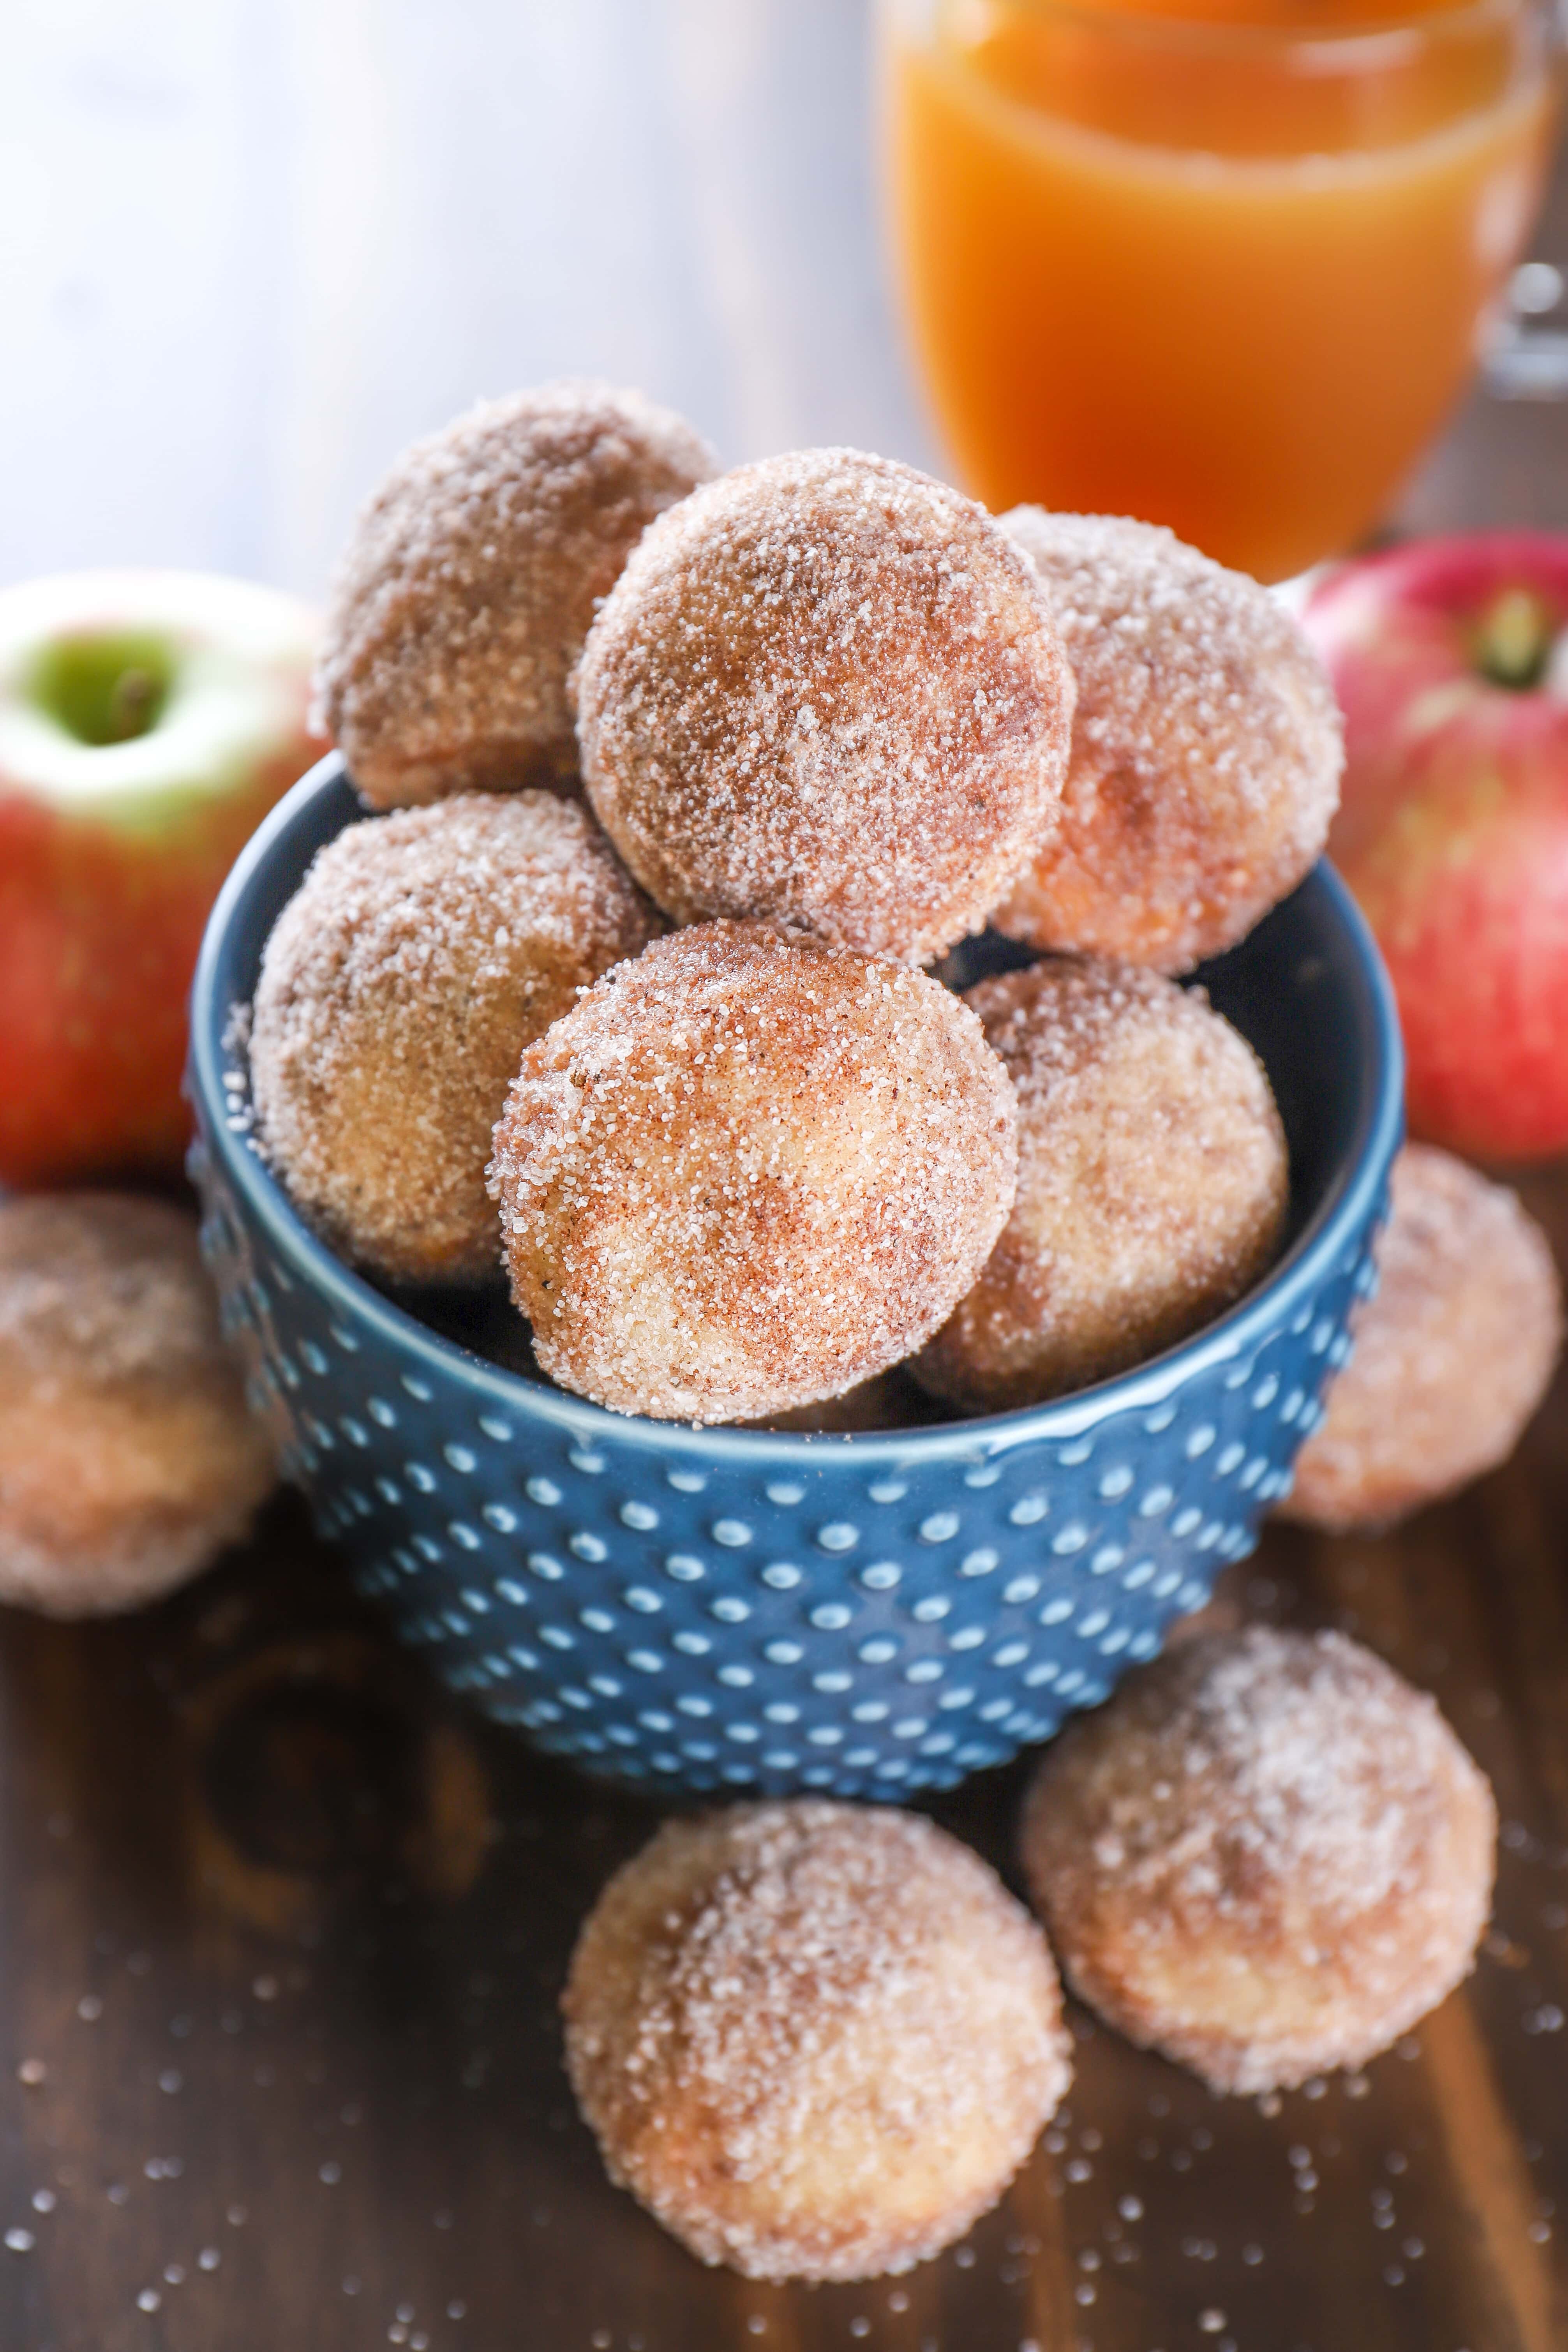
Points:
[(1350, 1203)]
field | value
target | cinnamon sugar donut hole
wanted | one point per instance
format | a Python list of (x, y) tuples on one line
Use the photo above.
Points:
[(419, 956), (1152, 1182), (816, 2041), (1452, 1356), (826, 690), (1266, 1855), (127, 1458), (466, 590), (1205, 749), (745, 1173)]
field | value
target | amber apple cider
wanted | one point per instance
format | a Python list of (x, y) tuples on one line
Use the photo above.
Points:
[(1227, 272)]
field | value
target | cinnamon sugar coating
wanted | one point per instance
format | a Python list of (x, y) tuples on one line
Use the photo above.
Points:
[(826, 690), (1266, 1855), (466, 590), (816, 2040), (1452, 1356), (745, 1173), (1205, 749), (1152, 1182), (419, 956), (127, 1458)]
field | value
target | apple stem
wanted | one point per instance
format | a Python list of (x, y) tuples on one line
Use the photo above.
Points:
[(1513, 643), (131, 703)]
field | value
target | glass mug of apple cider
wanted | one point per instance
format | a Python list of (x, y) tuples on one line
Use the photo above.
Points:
[(1220, 264)]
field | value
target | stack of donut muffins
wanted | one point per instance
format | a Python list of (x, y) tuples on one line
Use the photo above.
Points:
[(680, 780), (691, 777)]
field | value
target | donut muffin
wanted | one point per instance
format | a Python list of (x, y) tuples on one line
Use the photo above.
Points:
[(127, 1458), (826, 691), (1452, 1356), (419, 956), (466, 590), (1152, 1182), (745, 1173), (1205, 749), (816, 2041), (1266, 1855)]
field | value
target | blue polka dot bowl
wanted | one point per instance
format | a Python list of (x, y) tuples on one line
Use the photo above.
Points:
[(869, 1613)]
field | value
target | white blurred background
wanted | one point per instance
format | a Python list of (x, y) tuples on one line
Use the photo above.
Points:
[(249, 248)]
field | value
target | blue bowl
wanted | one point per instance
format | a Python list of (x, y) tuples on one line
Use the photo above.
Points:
[(737, 1609)]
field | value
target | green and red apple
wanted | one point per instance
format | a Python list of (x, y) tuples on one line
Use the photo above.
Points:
[(1450, 661), (148, 722)]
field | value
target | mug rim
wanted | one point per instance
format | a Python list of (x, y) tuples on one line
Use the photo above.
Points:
[(1349, 1204), (1351, 47)]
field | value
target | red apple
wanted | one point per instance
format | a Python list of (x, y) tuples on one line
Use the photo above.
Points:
[(148, 720), (1450, 661)]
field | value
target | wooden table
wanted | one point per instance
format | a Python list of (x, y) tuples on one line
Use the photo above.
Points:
[(282, 1937), (281, 1933)]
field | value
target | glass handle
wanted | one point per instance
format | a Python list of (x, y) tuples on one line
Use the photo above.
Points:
[(1524, 361)]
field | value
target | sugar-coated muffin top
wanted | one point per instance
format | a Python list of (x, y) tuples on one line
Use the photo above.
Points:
[(747, 1171), (815, 2040), (1452, 1355), (419, 956), (1267, 1855), (1153, 1182), (1206, 748), (465, 592), (826, 690), (127, 1457)]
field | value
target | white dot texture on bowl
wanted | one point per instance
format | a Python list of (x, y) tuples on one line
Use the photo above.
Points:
[(764, 1615)]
